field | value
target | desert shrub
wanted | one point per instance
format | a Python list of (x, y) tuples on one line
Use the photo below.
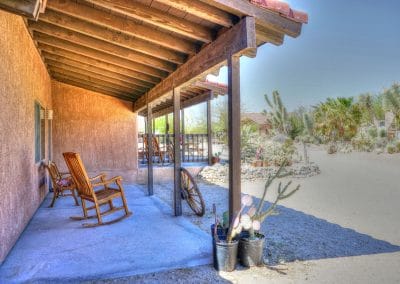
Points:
[(381, 142), (332, 148), (363, 142), (382, 133), (373, 132), (276, 153), (391, 149), (397, 146)]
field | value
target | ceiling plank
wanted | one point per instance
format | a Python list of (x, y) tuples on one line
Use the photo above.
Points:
[(68, 63), (106, 58), (122, 25), (93, 88), (96, 82), (264, 17), (201, 10), (239, 40), (102, 46), (89, 82), (157, 18), (95, 62), (60, 68), (89, 32)]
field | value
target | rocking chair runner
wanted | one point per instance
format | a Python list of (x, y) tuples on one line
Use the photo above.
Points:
[(85, 187), (61, 182)]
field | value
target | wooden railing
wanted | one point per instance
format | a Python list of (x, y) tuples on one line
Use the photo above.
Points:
[(194, 148)]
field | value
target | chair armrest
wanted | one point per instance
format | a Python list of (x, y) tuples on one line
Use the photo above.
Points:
[(102, 175), (106, 182)]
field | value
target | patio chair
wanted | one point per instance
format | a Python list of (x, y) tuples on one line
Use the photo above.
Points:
[(104, 196), (156, 149), (61, 182)]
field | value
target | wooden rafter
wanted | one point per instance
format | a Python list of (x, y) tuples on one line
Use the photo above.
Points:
[(264, 17), (157, 18), (63, 68), (95, 83), (90, 87), (241, 39), (87, 32), (202, 10), (99, 55), (101, 81), (120, 24), (85, 44), (66, 63), (62, 54)]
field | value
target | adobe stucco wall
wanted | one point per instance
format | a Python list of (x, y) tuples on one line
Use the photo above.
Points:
[(102, 129), (23, 79)]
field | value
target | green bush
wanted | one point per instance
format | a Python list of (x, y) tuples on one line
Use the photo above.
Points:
[(391, 149), (362, 142), (382, 133), (398, 146), (373, 132)]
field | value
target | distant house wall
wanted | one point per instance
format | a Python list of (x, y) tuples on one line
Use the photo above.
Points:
[(23, 80), (102, 129)]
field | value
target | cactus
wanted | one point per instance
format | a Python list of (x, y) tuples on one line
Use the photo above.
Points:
[(251, 220)]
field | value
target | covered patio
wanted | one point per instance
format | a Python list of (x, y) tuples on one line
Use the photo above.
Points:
[(75, 76)]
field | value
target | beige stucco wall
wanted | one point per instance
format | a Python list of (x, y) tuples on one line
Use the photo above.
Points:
[(23, 79), (102, 129)]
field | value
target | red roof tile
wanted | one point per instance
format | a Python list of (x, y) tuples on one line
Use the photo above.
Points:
[(283, 9)]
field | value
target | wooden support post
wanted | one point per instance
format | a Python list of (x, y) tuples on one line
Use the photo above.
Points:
[(234, 135), (209, 132), (177, 153), (150, 150), (183, 135)]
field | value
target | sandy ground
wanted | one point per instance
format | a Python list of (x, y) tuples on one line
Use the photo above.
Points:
[(341, 227), (360, 191)]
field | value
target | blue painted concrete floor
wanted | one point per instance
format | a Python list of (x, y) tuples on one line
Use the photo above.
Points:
[(55, 248)]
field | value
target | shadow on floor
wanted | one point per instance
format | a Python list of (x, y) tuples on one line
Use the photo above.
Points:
[(54, 248), (294, 235)]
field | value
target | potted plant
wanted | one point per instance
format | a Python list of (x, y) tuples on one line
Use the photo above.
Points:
[(216, 159), (251, 243), (225, 246)]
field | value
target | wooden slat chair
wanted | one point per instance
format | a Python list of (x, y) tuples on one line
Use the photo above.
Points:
[(156, 148), (85, 187), (61, 182)]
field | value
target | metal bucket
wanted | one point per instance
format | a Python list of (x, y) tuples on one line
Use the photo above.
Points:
[(251, 251), (225, 255)]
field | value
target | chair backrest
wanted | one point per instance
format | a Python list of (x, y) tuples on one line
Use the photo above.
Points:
[(53, 171), (78, 173)]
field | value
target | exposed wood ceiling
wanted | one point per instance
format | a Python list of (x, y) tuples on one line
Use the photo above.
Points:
[(124, 48)]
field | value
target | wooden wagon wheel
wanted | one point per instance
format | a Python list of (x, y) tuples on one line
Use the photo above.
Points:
[(191, 193)]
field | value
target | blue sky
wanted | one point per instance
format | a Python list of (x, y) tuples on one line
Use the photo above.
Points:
[(347, 48)]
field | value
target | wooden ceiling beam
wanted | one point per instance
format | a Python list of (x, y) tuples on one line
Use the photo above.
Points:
[(237, 41), (157, 18), (201, 10), (124, 97), (95, 62), (98, 55), (119, 24), (264, 17), (88, 33), (26, 8), (60, 68), (96, 82), (87, 43), (268, 35), (69, 64), (89, 82)]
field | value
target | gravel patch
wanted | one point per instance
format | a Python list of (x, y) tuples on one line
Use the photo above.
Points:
[(291, 235), (219, 173)]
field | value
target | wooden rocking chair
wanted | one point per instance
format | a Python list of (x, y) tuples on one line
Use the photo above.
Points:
[(85, 187), (156, 149), (61, 182)]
